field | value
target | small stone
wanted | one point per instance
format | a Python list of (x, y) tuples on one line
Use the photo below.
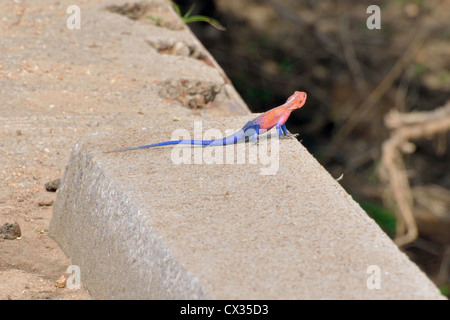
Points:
[(45, 203), (180, 49), (61, 282), (52, 186), (10, 231)]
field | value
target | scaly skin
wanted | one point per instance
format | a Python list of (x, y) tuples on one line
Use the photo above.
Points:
[(275, 117)]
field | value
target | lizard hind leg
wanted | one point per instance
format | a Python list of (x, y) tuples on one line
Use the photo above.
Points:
[(251, 132)]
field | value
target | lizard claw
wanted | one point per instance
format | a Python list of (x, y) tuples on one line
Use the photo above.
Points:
[(290, 136)]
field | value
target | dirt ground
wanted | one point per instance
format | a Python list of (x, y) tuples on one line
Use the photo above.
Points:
[(53, 91), (32, 265), (31, 153), (59, 84)]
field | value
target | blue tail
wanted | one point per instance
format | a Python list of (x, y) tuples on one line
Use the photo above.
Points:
[(234, 138), (249, 130), (191, 142)]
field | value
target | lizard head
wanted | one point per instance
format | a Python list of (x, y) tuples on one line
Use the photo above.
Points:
[(297, 100)]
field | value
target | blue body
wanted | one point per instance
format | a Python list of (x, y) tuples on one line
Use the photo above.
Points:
[(249, 132)]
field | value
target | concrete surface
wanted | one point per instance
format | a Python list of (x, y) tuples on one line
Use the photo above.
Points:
[(140, 226), (57, 85)]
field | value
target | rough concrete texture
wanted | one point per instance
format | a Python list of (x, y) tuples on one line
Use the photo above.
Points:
[(141, 226), (57, 85)]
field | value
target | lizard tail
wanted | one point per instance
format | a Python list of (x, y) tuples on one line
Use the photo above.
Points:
[(191, 142), (234, 138)]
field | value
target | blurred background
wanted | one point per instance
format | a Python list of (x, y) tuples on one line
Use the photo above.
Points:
[(378, 109)]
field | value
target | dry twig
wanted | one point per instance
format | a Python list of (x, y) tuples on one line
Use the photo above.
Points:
[(407, 127), (350, 56), (375, 96)]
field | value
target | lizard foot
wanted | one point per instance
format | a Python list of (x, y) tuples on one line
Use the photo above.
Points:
[(290, 136)]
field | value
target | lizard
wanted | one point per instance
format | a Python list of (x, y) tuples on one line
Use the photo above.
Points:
[(275, 117)]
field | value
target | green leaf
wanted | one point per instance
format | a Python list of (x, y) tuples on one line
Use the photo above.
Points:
[(445, 290), (187, 18), (188, 13), (177, 8), (157, 20), (213, 22), (385, 218)]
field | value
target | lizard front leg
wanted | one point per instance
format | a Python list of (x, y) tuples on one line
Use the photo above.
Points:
[(287, 134)]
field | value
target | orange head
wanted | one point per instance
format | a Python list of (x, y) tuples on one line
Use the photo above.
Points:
[(297, 100)]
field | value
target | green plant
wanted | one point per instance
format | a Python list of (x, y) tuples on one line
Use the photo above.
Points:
[(157, 20), (187, 18), (385, 218), (445, 290), (420, 68)]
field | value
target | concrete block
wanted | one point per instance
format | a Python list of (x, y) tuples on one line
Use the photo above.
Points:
[(142, 227)]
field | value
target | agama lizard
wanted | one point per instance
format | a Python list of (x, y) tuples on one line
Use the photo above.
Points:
[(275, 117)]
